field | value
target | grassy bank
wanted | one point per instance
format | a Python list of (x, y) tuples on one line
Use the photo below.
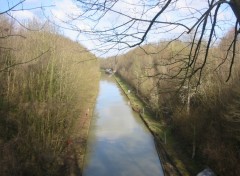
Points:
[(172, 156)]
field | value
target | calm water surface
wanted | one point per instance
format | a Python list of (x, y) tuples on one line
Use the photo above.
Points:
[(119, 144)]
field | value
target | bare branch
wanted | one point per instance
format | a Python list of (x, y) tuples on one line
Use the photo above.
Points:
[(234, 49), (11, 8), (21, 63)]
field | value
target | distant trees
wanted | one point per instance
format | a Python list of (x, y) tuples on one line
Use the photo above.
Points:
[(202, 115), (140, 20)]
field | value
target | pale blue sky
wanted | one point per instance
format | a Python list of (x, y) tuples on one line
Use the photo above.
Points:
[(60, 10)]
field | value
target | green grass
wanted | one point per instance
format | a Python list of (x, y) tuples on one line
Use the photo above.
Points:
[(156, 126), (185, 165)]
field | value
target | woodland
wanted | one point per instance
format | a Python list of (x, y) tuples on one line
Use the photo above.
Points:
[(45, 90), (49, 83), (201, 110)]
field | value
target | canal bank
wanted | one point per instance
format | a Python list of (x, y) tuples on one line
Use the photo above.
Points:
[(119, 142), (170, 161), (77, 143)]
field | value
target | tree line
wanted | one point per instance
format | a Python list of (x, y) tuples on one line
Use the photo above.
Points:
[(45, 89), (200, 109)]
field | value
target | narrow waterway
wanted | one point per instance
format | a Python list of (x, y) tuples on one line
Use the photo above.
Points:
[(119, 144)]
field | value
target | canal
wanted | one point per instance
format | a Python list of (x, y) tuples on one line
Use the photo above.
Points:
[(119, 144)]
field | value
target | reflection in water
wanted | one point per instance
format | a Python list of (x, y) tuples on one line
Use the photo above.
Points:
[(119, 143)]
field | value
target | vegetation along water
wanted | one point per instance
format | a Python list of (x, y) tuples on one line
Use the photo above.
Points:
[(119, 87)]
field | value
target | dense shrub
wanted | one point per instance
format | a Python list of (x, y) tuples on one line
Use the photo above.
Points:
[(44, 87)]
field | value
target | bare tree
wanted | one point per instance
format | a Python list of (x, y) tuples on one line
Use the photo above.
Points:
[(8, 31), (137, 21)]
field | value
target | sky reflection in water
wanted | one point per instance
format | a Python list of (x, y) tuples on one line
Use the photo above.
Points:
[(119, 143)]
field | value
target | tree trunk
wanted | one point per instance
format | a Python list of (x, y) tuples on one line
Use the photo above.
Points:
[(188, 98), (188, 102), (194, 141), (235, 5)]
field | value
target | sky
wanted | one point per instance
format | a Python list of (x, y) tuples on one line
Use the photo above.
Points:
[(86, 30)]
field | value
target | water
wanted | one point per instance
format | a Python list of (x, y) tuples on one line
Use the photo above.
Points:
[(119, 144)]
